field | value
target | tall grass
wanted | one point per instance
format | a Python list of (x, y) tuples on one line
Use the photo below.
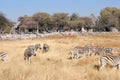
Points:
[(55, 65)]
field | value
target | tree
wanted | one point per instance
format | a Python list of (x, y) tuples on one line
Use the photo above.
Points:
[(109, 17), (88, 24), (60, 20), (43, 19), (74, 17), (23, 26), (4, 22)]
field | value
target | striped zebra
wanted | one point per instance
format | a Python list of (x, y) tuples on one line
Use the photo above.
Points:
[(35, 47), (97, 50), (28, 53), (92, 50), (3, 56), (45, 47), (76, 52), (110, 60), (88, 49), (103, 51)]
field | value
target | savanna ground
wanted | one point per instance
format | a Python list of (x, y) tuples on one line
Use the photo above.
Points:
[(54, 64)]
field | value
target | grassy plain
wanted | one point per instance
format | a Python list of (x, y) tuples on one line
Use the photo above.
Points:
[(54, 64)]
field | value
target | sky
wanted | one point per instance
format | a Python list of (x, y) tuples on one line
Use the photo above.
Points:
[(16, 8)]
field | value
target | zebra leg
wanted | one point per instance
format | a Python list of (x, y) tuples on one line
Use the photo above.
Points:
[(76, 56), (88, 53), (91, 53), (101, 64), (29, 60), (4, 59), (118, 66), (73, 56)]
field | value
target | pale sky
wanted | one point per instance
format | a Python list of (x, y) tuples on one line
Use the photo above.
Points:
[(15, 8)]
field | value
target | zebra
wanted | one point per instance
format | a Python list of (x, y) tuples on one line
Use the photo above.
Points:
[(81, 50), (88, 49), (103, 51), (91, 50), (111, 60), (97, 50), (28, 53), (3, 56), (45, 47), (75, 53), (35, 47)]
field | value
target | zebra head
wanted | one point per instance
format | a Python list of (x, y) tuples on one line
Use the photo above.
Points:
[(33, 52), (37, 46), (45, 47), (108, 50)]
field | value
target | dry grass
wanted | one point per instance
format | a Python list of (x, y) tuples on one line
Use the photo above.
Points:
[(54, 64)]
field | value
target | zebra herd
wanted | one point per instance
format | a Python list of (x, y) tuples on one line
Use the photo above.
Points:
[(32, 51), (106, 54), (89, 50)]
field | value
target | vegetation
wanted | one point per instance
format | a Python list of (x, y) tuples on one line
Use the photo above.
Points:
[(44, 22), (109, 17), (4, 23)]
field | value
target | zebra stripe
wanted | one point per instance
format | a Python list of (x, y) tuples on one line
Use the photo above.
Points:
[(110, 60), (3, 56)]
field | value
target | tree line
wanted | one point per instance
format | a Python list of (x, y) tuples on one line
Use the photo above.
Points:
[(44, 22)]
